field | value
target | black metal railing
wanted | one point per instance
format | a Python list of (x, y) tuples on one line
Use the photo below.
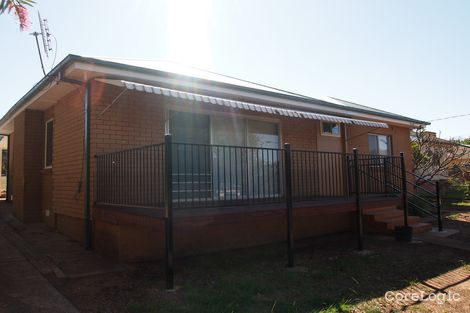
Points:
[(317, 175), (217, 175), (419, 199), (132, 177), (378, 174)]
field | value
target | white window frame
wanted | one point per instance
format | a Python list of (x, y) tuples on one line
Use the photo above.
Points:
[(45, 143), (330, 134)]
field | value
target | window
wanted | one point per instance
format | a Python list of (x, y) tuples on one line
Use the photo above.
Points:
[(330, 129), (4, 162), (48, 144), (379, 145)]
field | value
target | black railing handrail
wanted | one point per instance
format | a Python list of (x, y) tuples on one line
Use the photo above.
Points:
[(398, 195), (130, 149), (226, 146), (419, 177), (432, 194)]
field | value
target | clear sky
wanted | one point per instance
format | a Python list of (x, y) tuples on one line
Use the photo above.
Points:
[(407, 57)]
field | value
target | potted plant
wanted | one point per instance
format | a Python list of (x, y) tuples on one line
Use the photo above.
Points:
[(403, 233)]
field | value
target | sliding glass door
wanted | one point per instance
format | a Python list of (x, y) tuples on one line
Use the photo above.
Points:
[(246, 165), (192, 179), (224, 158), (263, 163)]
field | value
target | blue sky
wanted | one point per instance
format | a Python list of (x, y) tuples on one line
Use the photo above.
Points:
[(407, 57)]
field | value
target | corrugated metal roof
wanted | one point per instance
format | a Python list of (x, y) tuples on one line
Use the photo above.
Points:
[(240, 105)]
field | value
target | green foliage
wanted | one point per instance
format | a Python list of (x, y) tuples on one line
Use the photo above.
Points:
[(457, 190), (465, 141)]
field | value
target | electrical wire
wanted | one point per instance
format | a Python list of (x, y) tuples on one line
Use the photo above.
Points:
[(449, 117), (55, 51)]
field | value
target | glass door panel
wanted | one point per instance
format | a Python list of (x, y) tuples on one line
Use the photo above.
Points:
[(192, 178), (228, 136), (264, 162)]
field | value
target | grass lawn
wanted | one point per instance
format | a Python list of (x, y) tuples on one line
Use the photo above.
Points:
[(331, 277), (457, 216)]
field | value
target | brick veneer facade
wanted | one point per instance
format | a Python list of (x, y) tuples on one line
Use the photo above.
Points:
[(56, 195)]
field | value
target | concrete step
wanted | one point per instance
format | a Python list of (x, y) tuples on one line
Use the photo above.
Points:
[(382, 215), (391, 223), (421, 228), (379, 209)]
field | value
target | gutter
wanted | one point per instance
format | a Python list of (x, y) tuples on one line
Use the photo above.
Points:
[(58, 70), (300, 98)]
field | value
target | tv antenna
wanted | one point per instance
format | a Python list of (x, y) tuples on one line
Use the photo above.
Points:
[(46, 40)]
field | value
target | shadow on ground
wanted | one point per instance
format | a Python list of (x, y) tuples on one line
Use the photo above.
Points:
[(330, 276)]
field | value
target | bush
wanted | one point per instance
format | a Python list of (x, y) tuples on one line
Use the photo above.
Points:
[(457, 190)]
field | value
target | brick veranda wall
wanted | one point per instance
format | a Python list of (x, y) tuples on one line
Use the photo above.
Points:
[(27, 148)]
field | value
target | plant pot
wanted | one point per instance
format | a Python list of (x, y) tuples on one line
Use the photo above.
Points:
[(403, 233)]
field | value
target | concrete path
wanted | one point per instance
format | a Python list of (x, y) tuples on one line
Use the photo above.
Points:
[(22, 286), (33, 253), (442, 238)]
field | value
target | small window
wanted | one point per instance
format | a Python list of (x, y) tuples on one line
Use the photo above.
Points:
[(330, 129), (379, 145), (4, 162), (48, 144)]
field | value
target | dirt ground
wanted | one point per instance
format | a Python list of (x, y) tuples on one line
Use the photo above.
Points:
[(330, 276)]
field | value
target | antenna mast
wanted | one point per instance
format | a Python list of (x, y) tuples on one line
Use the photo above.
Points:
[(46, 40)]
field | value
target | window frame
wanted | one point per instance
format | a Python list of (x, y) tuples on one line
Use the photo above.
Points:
[(323, 133), (5, 173), (49, 121), (389, 144)]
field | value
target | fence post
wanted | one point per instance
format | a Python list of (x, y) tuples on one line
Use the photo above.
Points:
[(404, 191), (290, 215), (438, 199), (169, 273), (348, 175), (385, 176), (358, 201)]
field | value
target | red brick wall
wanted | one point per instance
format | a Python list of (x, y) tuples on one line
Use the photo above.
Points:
[(67, 168), (18, 166), (401, 142), (47, 177), (11, 159), (135, 119), (28, 148)]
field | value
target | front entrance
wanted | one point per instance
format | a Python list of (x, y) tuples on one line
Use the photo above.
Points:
[(231, 158)]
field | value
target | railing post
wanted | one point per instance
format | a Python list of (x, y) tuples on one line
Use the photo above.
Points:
[(169, 273), (290, 215), (438, 199), (360, 245), (348, 175), (385, 175), (404, 191)]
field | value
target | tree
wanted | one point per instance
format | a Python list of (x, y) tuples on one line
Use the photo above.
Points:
[(433, 156), (19, 8)]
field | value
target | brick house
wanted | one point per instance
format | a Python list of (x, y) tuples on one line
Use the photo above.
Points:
[(88, 158)]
